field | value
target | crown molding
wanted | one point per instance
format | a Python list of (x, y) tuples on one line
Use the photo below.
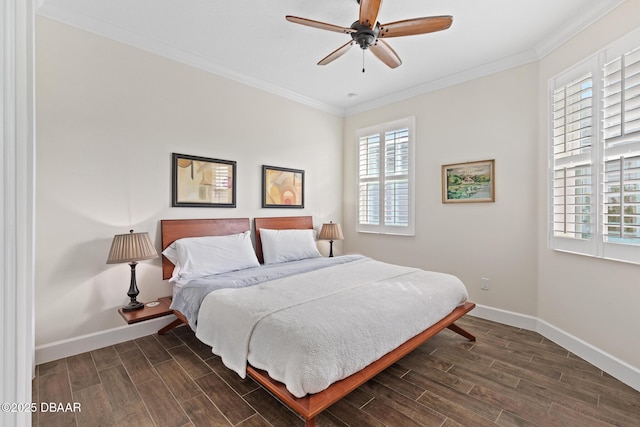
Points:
[(144, 43), (587, 18), (446, 81), (571, 29), (548, 45)]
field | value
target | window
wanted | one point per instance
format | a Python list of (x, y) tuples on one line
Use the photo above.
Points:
[(572, 129), (595, 155), (385, 178)]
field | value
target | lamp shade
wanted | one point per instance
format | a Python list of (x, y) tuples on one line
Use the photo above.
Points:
[(331, 231), (131, 247)]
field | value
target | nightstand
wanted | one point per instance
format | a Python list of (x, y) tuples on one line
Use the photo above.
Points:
[(146, 313)]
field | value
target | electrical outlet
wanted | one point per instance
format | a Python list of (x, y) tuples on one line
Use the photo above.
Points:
[(484, 283)]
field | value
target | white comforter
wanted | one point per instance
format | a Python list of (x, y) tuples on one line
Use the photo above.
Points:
[(311, 330)]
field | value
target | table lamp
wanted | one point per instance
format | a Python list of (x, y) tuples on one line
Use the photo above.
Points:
[(131, 248), (330, 232)]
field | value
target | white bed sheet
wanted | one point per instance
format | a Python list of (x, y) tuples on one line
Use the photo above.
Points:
[(313, 329)]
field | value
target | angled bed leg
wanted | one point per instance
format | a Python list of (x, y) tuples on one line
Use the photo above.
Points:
[(170, 326), (310, 422), (181, 319), (457, 329)]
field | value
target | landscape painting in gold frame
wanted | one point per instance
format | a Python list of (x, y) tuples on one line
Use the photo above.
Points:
[(470, 182)]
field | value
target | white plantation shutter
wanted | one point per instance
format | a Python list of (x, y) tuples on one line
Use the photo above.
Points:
[(572, 202), (369, 185), (385, 178), (572, 148), (621, 99), (595, 155), (621, 132), (396, 183), (621, 217)]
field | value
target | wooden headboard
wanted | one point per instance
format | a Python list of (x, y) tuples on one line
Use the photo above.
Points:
[(174, 229), (279, 223)]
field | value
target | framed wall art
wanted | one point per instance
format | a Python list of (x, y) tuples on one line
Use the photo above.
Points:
[(282, 187), (203, 182), (470, 182)]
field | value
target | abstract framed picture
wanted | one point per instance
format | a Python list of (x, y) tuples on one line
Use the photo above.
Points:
[(203, 182), (470, 182), (282, 187)]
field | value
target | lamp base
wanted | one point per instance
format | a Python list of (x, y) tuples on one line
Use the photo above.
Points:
[(133, 291), (133, 306)]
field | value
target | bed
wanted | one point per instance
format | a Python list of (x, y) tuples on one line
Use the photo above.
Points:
[(221, 304)]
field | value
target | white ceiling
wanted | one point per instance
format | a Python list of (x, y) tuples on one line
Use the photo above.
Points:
[(251, 42)]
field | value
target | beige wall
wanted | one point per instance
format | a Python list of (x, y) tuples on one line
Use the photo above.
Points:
[(592, 299), (108, 118), (110, 115), (494, 117), (504, 117)]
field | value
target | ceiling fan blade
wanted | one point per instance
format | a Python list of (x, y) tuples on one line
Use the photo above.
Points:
[(336, 53), (369, 12), (319, 25), (409, 27), (385, 53)]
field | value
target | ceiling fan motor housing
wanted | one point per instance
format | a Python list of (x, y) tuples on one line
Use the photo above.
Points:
[(364, 35)]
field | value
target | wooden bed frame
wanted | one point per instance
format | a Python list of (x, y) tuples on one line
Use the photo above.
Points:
[(310, 405)]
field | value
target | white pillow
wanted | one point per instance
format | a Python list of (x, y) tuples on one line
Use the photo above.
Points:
[(287, 245), (204, 256), (171, 253)]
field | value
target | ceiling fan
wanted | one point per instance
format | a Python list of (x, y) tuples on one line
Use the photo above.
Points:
[(368, 33)]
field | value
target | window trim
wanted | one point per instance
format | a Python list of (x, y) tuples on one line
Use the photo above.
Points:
[(581, 246), (409, 230), (596, 246)]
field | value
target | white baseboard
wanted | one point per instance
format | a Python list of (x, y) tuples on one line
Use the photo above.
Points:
[(615, 367), (506, 317), (82, 344)]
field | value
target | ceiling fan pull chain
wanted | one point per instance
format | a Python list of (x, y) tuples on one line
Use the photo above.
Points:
[(366, 30)]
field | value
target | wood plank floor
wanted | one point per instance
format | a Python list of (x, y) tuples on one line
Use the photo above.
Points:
[(509, 377)]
